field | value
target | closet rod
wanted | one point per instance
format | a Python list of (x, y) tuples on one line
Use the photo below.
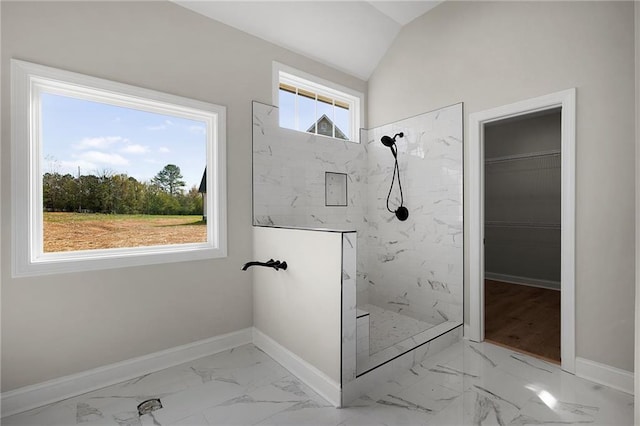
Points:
[(526, 156), (509, 224)]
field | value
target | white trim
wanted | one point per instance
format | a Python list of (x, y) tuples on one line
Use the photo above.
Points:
[(28, 397), (466, 330), (28, 81), (637, 204), (475, 331), (567, 100), (320, 85), (531, 282), (603, 374), (324, 385)]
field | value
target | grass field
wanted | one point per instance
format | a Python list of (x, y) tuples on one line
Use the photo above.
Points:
[(88, 231)]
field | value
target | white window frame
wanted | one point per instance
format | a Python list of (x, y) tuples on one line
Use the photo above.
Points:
[(285, 74), (28, 81)]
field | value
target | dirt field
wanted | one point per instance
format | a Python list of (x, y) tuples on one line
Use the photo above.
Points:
[(87, 231)]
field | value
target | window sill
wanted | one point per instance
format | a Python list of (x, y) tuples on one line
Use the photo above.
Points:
[(91, 260)]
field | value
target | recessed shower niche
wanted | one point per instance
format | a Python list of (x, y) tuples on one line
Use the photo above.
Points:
[(408, 273), (335, 189)]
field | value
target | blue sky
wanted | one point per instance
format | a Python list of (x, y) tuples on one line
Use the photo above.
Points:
[(96, 137)]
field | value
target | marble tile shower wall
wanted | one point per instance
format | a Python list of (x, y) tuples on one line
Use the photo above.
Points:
[(416, 267), (289, 179), (413, 267), (289, 175)]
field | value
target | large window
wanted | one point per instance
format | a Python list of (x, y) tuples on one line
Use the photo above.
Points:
[(309, 104), (110, 175)]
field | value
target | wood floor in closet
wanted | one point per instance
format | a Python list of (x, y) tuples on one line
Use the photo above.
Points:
[(524, 318)]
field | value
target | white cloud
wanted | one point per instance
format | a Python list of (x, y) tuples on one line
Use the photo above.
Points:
[(99, 142), (103, 158), (162, 126), (72, 166), (135, 149), (200, 130), (164, 149)]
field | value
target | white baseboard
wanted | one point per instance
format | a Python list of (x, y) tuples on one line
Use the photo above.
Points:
[(603, 374), (28, 397), (467, 334), (531, 282), (310, 375), (38, 395)]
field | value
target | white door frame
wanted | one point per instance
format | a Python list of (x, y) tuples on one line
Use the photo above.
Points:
[(567, 101)]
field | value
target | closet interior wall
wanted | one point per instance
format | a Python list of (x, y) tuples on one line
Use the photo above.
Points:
[(522, 200)]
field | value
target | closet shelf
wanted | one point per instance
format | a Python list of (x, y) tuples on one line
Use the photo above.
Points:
[(527, 156)]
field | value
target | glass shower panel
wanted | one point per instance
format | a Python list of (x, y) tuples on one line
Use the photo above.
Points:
[(414, 268)]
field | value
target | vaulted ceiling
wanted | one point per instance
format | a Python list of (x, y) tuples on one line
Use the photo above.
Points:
[(348, 35)]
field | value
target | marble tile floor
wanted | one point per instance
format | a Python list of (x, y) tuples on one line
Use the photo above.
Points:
[(466, 384), (386, 328)]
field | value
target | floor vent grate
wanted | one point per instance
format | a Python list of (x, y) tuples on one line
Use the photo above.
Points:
[(149, 405)]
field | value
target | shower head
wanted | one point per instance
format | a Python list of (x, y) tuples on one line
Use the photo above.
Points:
[(387, 141), (402, 213), (390, 141)]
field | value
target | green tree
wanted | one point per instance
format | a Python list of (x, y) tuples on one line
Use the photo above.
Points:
[(136, 195), (169, 179), (58, 192), (71, 194), (89, 188), (106, 191), (191, 202)]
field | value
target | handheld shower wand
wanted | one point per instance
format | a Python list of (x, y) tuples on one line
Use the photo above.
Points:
[(391, 143), (401, 212)]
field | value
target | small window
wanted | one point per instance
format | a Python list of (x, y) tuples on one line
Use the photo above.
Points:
[(310, 104), (111, 175)]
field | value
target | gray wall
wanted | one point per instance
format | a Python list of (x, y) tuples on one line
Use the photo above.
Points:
[(637, 320), (522, 200), (488, 54), (62, 324), (538, 132)]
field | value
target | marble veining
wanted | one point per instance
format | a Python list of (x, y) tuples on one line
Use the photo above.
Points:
[(387, 327), (464, 384), (415, 268), (412, 268)]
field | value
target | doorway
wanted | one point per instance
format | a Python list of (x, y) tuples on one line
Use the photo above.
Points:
[(481, 123), (522, 170)]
